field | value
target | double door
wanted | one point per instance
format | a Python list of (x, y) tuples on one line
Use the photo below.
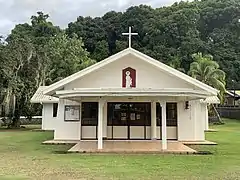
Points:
[(129, 120)]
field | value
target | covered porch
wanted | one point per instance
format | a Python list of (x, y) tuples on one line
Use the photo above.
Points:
[(105, 95)]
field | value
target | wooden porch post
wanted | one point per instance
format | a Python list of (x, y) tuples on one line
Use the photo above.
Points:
[(206, 119), (164, 126), (153, 121), (43, 118), (80, 123), (100, 124), (105, 120)]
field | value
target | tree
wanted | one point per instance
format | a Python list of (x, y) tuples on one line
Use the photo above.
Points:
[(24, 59), (219, 28), (209, 26), (15, 55), (66, 56), (175, 63), (39, 33), (169, 34), (34, 55), (207, 71)]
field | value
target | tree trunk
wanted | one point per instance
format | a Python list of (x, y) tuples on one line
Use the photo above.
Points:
[(216, 112), (15, 123)]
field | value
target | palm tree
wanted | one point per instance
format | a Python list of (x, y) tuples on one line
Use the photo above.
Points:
[(207, 71)]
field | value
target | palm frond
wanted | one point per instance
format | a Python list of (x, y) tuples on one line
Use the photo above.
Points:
[(207, 71)]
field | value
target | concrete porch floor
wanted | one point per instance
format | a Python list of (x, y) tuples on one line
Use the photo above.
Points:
[(111, 146)]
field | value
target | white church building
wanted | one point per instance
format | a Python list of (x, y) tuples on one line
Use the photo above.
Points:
[(128, 96)]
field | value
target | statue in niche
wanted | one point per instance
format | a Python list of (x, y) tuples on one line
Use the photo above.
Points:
[(128, 80)]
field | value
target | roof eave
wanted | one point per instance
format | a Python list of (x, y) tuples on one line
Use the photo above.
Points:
[(177, 73), (50, 90), (43, 101)]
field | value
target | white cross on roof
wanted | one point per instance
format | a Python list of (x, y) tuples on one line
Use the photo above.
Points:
[(130, 34)]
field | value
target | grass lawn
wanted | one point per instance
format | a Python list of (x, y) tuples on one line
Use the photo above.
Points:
[(23, 157)]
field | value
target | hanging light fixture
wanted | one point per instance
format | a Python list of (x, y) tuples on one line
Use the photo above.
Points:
[(187, 105)]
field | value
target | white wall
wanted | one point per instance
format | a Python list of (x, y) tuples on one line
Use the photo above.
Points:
[(120, 132), (191, 121), (48, 121), (66, 130), (147, 76), (137, 132), (148, 132), (185, 122), (89, 132), (191, 124), (200, 121), (171, 132)]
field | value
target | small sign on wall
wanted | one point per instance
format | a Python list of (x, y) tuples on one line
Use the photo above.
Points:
[(123, 116), (132, 117), (72, 113), (138, 116)]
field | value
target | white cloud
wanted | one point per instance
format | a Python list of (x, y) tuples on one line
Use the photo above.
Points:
[(122, 3), (62, 12), (5, 26)]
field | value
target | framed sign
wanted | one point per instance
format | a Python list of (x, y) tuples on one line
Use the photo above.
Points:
[(138, 116), (132, 117), (123, 116), (72, 113)]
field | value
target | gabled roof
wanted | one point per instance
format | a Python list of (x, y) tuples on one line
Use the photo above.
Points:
[(39, 97), (50, 90)]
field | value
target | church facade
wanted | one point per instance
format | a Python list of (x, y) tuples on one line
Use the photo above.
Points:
[(128, 96)]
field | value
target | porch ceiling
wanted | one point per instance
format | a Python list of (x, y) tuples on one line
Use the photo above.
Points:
[(131, 92)]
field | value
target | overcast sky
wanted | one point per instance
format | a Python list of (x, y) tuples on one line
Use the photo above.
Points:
[(62, 12)]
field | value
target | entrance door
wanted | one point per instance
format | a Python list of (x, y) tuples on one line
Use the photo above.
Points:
[(89, 120), (129, 120)]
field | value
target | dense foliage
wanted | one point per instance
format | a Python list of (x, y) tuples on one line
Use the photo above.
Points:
[(40, 53), (170, 33), (35, 55)]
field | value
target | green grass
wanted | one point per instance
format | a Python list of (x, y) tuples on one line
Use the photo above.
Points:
[(23, 157)]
